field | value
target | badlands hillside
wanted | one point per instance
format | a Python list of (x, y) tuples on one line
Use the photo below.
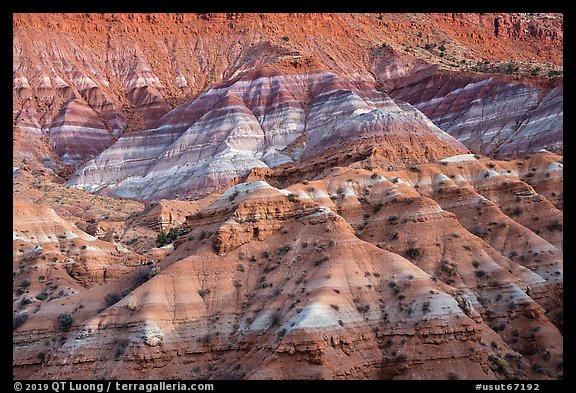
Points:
[(288, 196)]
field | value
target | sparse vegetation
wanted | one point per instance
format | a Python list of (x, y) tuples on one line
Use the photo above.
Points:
[(166, 238), (554, 226), (143, 274), (284, 249), (233, 195), (112, 298), (275, 318), (203, 292), (554, 73), (130, 242), (18, 320), (320, 261), (41, 296), (516, 212), (65, 321), (426, 307), (161, 239), (413, 253), (24, 284), (293, 197)]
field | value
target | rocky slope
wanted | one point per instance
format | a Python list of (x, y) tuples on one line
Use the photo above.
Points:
[(122, 72), (423, 272), (242, 196), (262, 120), (498, 116)]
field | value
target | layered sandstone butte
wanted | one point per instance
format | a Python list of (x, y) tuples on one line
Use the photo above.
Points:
[(300, 196)]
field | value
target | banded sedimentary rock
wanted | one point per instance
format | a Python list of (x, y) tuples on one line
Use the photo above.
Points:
[(216, 139), (494, 115)]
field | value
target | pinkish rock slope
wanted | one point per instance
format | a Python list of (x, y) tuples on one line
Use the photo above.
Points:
[(216, 139), (497, 115)]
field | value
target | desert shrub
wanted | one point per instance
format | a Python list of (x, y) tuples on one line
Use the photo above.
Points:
[(275, 318), (203, 292), (18, 320), (172, 234), (510, 68), (161, 239), (112, 298), (413, 253), (41, 296), (129, 242), (426, 307), (24, 284), (233, 196), (284, 249), (143, 274), (377, 207), (554, 226), (65, 321), (517, 211), (293, 197)]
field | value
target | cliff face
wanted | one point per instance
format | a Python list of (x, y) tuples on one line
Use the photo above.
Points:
[(123, 72), (264, 196)]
